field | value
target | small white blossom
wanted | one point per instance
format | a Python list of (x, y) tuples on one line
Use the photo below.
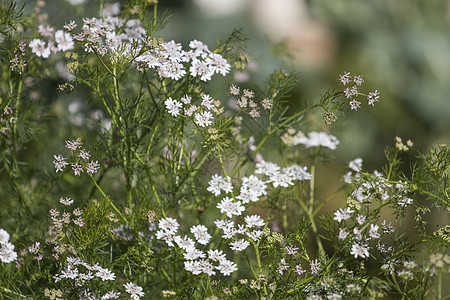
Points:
[(228, 206), (239, 245), (173, 106), (201, 234), (203, 119), (342, 214), (134, 290), (359, 250), (226, 267)]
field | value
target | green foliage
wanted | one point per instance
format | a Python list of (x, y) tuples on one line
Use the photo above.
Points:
[(160, 173)]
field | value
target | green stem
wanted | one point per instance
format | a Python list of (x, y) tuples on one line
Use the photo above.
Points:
[(269, 133), (310, 209)]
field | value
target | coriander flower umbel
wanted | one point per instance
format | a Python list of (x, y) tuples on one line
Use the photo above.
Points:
[(134, 290), (373, 97), (342, 214), (254, 221), (4, 236), (173, 106), (316, 139), (239, 245), (216, 255), (201, 234), (218, 184), (169, 224), (59, 162), (203, 119), (92, 167), (193, 266), (226, 267), (228, 206), (105, 274), (359, 250)]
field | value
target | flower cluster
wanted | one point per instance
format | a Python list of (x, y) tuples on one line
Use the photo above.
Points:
[(239, 236), (246, 102), (202, 114), (52, 41), (316, 139), (81, 157), (171, 61), (7, 253), (352, 90), (365, 192), (79, 273)]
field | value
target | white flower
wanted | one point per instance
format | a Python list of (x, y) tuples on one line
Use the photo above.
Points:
[(199, 48), (356, 164), (373, 231), (345, 78), (247, 195), (239, 245), (359, 250), (255, 184), (173, 51), (267, 168), (254, 235), (186, 99), (297, 172), (354, 105), (254, 221), (184, 243), (74, 144), (92, 167), (172, 69), (64, 40), (134, 290), (219, 64), (207, 102), (84, 154), (281, 179), (193, 254), (4, 236), (111, 295), (201, 234), (38, 47), (77, 169), (105, 274), (342, 214), (59, 162), (65, 201), (228, 206), (216, 255), (201, 68), (282, 266), (361, 219), (315, 267), (193, 266), (173, 106), (203, 119), (207, 267), (7, 253), (168, 224), (342, 234), (316, 139), (219, 183), (373, 97), (226, 267)]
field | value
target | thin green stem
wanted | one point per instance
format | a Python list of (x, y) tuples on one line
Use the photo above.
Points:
[(269, 133)]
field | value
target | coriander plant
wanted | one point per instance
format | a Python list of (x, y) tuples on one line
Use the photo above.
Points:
[(176, 182)]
